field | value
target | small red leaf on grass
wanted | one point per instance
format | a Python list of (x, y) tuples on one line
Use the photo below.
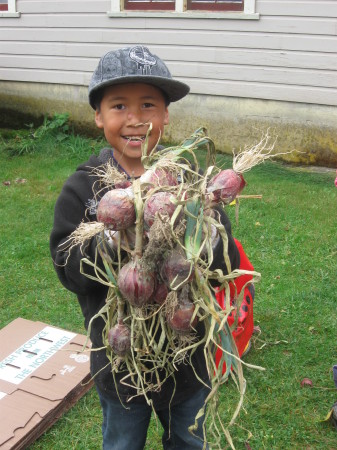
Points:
[(6, 183), (306, 382)]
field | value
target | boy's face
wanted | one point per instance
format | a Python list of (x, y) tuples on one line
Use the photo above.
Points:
[(125, 114)]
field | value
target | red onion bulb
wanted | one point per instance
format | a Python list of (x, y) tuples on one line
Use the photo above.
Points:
[(182, 316), (158, 203), (160, 293), (123, 184), (136, 284), (116, 209), (175, 269), (119, 338), (225, 186), (157, 177)]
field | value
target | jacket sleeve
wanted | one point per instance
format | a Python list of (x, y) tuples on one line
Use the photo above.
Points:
[(233, 252), (70, 211)]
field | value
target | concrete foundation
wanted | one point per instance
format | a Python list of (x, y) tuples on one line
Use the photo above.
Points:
[(308, 131)]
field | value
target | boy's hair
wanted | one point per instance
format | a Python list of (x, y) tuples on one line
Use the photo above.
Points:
[(134, 65)]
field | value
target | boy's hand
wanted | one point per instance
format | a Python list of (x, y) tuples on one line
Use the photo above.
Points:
[(111, 238), (215, 239), (125, 237)]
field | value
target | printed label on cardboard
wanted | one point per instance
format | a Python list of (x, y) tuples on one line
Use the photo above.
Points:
[(17, 366), (43, 372)]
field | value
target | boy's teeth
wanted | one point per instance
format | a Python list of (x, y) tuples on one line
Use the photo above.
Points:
[(134, 138)]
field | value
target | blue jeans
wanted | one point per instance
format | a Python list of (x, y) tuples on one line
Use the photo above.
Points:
[(126, 429)]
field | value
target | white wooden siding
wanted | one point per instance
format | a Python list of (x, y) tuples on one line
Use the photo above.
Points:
[(289, 54)]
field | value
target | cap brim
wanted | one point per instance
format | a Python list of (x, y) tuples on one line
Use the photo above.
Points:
[(174, 90)]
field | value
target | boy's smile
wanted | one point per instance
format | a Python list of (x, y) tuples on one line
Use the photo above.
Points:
[(125, 114)]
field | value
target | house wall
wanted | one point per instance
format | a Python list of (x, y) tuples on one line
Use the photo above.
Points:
[(278, 71)]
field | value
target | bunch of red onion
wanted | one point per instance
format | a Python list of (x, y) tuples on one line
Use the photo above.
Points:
[(137, 284), (159, 288)]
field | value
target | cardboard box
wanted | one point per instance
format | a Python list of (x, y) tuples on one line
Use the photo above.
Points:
[(44, 370)]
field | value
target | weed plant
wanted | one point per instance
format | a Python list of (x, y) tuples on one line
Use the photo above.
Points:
[(290, 237), (54, 135)]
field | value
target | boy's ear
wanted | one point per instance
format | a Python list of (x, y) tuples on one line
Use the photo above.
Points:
[(166, 117), (98, 119)]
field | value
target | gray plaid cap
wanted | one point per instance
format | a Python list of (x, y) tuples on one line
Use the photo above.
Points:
[(135, 65)]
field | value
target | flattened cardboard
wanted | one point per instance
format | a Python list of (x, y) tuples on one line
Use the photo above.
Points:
[(43, 372)]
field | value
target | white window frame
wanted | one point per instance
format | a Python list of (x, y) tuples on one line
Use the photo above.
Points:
[(11, 10), (116, 10)]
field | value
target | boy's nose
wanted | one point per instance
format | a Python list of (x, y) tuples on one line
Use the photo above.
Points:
[(134, 117)]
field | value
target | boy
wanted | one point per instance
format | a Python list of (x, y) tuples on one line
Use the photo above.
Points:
[(129, 89)]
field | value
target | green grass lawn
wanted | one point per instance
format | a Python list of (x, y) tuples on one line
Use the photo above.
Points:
[(290, 237)]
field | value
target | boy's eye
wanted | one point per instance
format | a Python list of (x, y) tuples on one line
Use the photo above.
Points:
[(119, 106), (148, 105)]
